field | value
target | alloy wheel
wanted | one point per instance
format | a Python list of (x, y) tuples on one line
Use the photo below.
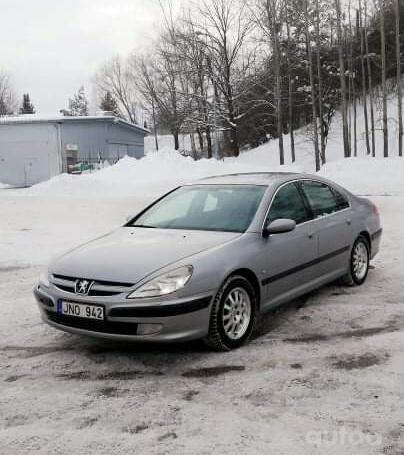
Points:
[(236, 313)]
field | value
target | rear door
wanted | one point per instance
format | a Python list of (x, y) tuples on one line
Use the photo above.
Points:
[(332, 220), (289, 258)]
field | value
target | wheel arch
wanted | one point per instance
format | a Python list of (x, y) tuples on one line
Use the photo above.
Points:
[(252, 278), (366, 235)]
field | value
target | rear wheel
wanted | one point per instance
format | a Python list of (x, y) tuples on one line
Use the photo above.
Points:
[(233, 314), (359, 262)]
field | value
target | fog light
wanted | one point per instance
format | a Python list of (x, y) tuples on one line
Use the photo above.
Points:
[(148, 329)]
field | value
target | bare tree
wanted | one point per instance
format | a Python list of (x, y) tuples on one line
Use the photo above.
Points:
[(320, 82), (344, 104), (362, 31), (192, 48), (116, 77), (399, 82), (270, 16), (225, 28), (352, 84), (290, 90), (274, 10), (384, 77), (370, 83), (312, 84), (8, 99)]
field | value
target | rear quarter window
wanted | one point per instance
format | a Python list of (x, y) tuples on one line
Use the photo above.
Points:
[(323, 199), (342, 201)]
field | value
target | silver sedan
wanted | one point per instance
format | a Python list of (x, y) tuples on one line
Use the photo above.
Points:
[(207, 259)]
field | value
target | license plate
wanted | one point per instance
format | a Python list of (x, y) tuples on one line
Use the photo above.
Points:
[(81, 310)]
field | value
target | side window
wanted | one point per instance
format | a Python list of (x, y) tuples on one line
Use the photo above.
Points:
[(288, 204), (342, 201), (321, 198)]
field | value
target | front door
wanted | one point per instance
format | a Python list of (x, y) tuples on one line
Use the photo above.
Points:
[(291, 257)]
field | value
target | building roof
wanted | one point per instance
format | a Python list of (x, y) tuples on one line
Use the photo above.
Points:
[(35, 118)]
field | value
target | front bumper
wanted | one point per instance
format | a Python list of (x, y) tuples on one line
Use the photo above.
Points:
[(159, 321)]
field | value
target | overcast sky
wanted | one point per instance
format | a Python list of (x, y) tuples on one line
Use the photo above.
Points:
[(52, 47)]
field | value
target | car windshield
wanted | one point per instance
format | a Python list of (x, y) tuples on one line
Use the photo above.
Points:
[(228, 208)]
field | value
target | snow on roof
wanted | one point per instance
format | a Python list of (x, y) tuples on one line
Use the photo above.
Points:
[(36, 118)]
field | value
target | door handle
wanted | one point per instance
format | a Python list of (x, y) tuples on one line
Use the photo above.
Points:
[(348, 221), (310, 235)]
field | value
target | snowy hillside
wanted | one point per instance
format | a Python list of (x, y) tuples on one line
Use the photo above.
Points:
[(158, 172)]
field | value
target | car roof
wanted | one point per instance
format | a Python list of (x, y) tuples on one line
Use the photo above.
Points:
[(250, 178)]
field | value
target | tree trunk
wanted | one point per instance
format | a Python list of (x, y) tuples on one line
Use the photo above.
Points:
[(235, 144), (384, 75), (291, 108), (370, 82), (209, 142), (200, 139), (352, 76), (349, 93), (320, 85), (313, 89), (176, 136), (193, 146), (355, 107), (272, 14), (347, 150), (156, 141), (364, 83), (399, 86)]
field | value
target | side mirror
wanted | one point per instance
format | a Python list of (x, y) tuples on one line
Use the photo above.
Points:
[(281, 226)]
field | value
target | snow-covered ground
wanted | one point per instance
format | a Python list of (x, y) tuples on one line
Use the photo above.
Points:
[(323, 378), (326, 377)]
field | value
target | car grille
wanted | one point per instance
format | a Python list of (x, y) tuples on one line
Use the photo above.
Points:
[(118, 328), (98, 288)]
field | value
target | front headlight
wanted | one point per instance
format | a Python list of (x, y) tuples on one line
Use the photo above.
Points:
[(164, 284), (44, 278)]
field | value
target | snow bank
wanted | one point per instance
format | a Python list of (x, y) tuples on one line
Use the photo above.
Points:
[(158, 172), (155, 172), (368, 176)]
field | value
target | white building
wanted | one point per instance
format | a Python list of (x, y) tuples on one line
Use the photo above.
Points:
[(34, 148)]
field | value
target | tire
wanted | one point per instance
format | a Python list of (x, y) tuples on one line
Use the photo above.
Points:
[(358, 272), (231, 324)]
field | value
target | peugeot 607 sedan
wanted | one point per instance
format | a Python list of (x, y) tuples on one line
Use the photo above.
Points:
[(207, 259)]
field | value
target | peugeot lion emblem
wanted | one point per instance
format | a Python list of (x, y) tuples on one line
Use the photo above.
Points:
[(83, 287)]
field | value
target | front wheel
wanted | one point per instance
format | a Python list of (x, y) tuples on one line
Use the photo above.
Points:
[(359, 262), (233, 315)]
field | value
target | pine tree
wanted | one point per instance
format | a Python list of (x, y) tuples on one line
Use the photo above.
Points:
[(78, 105), (109, 104), (27, 107)]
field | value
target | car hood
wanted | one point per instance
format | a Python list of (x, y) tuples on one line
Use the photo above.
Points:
[(127, 255)]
